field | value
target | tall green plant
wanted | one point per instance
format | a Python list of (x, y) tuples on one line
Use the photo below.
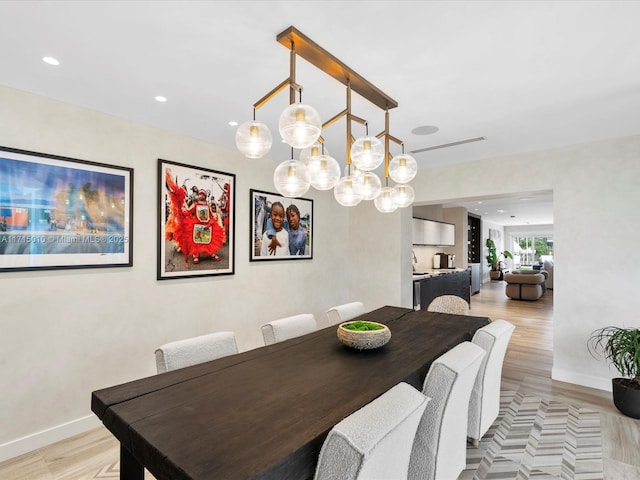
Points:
[(621, 346), (493, 258)]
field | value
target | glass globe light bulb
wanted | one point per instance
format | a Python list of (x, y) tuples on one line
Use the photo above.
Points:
[(403, 168), (253, 139), (405, 194), (369, 185), (324, 171), (346, 193), (313, 151), (367, 153), (291, 178), (300, 125), (386, 201), (355, 171)]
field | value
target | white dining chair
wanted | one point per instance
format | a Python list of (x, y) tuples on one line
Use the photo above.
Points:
[(191, 351), (345, 312), (484, 404), (449, 304), (288, 327), (440, 447), (374, 442)]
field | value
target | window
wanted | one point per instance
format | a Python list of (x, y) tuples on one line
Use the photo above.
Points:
[(530, 250)]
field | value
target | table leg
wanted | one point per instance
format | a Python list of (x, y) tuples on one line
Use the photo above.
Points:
[(130, 469)]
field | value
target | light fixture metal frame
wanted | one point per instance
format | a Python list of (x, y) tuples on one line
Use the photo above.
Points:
[(301, 45)]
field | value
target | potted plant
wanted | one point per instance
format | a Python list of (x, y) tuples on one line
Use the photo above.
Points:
[(495, 260), (621, 346)]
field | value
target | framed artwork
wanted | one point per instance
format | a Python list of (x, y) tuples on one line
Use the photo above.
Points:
[(281, 227), (196, 221), (496, 236), (58, 212)]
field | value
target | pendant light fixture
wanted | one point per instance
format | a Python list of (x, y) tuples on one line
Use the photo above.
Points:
[(346, 192), (369, 185), (253, 139), (403, 168), (313, 151), (324, 171), (291, 178), (405, 195), (367, 153), (301, 127), (386, 201)]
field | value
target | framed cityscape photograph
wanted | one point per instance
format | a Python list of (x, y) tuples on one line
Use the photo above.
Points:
[(58, 212), (196, 221), (281, 227)]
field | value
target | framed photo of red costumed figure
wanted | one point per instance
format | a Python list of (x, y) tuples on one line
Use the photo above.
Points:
[(196, 221), (281, 227)]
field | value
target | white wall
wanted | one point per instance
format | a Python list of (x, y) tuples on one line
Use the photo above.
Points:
[(595, 203), (66, 333)]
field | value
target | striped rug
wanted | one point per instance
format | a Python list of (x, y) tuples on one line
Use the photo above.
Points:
[(537, 438)]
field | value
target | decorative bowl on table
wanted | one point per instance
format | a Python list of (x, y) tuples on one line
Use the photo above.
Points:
[(363, 335)]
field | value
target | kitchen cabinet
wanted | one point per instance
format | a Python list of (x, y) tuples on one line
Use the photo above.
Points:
[(454, 283), (447, 234), (417, 226), (429, 232)]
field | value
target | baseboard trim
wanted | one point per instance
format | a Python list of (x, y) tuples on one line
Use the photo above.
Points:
[(580, 379), (38, 440)]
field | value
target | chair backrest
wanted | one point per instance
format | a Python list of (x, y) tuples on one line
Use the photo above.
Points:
[(288, 327), (374, 442), (440, 447), (485, 397), (449, 304), (345, 312), (190, 351)]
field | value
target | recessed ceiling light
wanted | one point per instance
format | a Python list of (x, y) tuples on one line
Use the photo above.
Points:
[(425, 130), (500, 211), (51, 61), (525, 198), (160, 98), (233, 123)]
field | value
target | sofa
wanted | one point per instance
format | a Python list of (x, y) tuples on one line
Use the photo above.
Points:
[(525, 284), (548, 267)]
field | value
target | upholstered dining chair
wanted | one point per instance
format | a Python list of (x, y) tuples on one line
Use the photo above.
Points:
[(440, 447), (485, 397), (345, 312), (374, 443), (191, 351), (449, 304), (288, 327)]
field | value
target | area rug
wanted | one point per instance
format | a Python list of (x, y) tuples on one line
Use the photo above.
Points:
[(537, 438)]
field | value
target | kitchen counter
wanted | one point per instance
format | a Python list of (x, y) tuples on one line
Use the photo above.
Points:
[(436, 272)]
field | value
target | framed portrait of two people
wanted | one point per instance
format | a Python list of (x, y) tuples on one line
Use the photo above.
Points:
[(281, 227)]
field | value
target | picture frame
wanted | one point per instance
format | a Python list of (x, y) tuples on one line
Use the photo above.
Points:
[(63, 213), (299, 246), (196, 221)]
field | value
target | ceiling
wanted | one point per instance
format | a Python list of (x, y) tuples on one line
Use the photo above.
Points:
[(525, 75)]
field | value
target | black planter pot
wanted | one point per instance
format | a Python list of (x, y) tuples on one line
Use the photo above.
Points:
[(626, 397)]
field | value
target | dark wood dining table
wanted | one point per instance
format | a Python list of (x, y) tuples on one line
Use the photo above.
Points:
[(264, 413)]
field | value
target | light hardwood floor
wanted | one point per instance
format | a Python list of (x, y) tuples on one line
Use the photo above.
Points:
[(527, 367)]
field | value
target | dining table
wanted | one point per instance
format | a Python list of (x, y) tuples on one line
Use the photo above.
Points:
[(265, 413)]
